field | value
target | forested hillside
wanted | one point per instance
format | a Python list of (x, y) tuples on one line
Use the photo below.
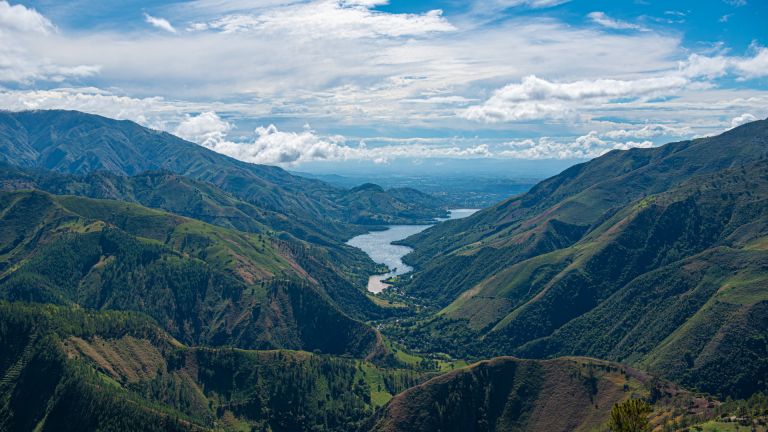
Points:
[(147, 283), (67, 369), (203, 284), (78, 143), (653, 257)]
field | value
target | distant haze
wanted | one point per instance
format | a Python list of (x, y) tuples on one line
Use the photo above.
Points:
[(445, 167)]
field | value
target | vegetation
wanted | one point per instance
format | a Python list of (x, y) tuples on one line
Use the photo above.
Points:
[(147, 283), (651, 257), (204, 284), (507, 394), (77, 143), (630, 416), (65, 368)]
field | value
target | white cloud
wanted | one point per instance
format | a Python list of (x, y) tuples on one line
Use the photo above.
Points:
[(583, 147), (754, 67), (604, 20), (743, 68), (648, 131), (23, 19), (161, 23), (744, 118), (322, 19), (20, 26), (538, 99), (154, 112), (273, 146), (206, 129), (350, 67), (493, 6), (535, 98)]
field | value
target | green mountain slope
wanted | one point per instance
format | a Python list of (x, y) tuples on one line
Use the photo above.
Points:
[(455, 256), (204, 284), (673, 281), (509, 394), (67, 369), (74, 142), (342, 271)]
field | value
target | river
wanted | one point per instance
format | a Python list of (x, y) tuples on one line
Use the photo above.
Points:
[(378, 245)]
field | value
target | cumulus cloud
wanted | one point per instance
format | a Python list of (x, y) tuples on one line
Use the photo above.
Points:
[(23, 19), (648, 131), (754, 67), (584, 147), (743, 68), (604, 20), (536, 98), (161, 23), (744, 118), (206, 128), (331, 19), (275, 147)]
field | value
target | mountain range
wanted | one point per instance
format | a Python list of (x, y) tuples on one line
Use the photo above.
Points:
[(652, 257), (148, 283)]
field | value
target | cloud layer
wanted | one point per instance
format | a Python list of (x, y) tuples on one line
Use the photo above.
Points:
[(381, 85)]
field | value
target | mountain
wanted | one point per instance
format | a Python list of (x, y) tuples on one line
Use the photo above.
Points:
[(455, 256), (373, 205), (341, 270), (204, 284), (64, 368), (509, 394), (78, 143), (68, 369), (653, 257)]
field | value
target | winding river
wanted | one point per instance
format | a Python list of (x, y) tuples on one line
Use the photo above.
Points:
[(378, 245)]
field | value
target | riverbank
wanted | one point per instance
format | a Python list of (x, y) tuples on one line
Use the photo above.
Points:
[(378, 245)]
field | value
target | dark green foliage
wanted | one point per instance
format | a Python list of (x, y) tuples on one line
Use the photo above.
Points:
[(63, 368), (191, 285)]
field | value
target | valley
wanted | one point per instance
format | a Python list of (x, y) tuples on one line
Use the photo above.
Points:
[(382, 248), (141, 293), (383, 216)]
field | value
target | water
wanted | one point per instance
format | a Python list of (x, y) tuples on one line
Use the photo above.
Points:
[(378, 245)]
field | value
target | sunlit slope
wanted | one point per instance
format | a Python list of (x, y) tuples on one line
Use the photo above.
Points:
[(673, 281), (341, 270), (509, 394), (558, 212), (79, 143), (204, 284), (69, 369)]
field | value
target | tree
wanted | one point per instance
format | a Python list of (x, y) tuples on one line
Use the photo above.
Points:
[(630, 416)]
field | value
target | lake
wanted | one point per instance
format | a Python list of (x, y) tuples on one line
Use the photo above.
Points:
[(378, 245)]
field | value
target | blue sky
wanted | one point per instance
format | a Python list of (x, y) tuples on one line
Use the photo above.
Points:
[(324, 83)]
